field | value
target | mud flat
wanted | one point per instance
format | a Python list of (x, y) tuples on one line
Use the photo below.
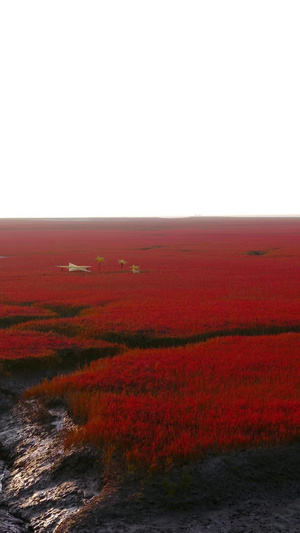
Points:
[(46, 488), (245, 492), (41, 482)]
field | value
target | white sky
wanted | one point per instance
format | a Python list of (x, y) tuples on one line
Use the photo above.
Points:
[(149, 107)]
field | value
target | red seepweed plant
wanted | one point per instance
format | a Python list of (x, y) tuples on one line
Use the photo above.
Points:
[(156, 407), (201, 278)]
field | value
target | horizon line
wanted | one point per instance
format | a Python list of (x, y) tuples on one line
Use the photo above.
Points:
[(287, 215)]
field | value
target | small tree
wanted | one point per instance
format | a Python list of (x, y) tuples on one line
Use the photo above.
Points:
[(100, 260), (122, 262), (135, 269)]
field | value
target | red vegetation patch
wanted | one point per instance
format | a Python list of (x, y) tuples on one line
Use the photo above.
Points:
[(198, 277), (159, 406), (183, 317), (196, 274), (7, 311), (22, 344)]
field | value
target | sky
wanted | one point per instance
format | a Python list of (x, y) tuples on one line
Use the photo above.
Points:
[(149, 108)]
